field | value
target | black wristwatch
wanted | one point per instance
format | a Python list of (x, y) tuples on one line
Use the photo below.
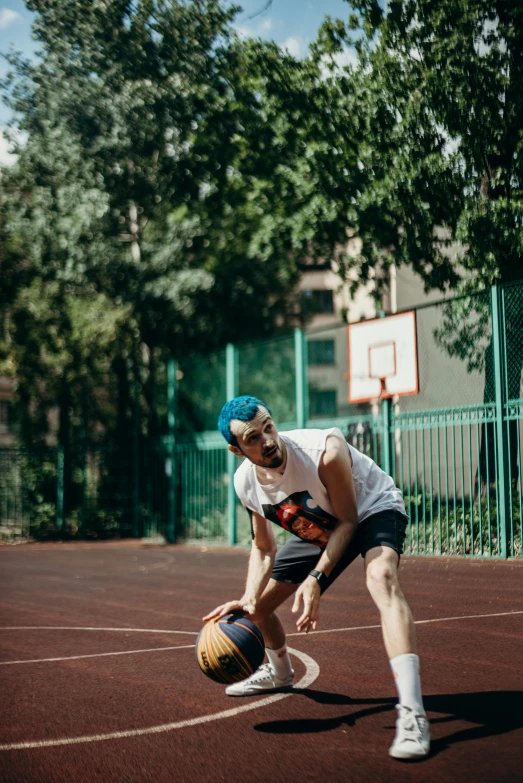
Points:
[(320, 576)]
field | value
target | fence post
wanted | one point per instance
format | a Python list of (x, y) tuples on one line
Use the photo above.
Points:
[(503, 473), (231, 366), (386, 407), (60, 465), (136, 459), (171, 423), (386, 461), (83, 446), (302, 392)]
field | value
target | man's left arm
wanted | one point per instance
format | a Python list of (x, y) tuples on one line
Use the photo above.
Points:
[(335, 472)]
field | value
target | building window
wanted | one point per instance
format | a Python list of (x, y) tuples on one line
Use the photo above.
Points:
[(319, 301), (4, 417), (323, 403), (321, 352)]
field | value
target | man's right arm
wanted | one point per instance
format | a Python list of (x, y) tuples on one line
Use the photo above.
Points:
[(261, 561)]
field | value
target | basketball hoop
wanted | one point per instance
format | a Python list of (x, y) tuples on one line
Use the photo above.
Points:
[(382, 365), (383, 359)]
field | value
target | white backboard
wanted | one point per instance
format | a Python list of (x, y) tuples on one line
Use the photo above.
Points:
[(383, 359)]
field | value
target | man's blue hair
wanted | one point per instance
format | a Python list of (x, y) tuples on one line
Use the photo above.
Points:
[(243, 408)]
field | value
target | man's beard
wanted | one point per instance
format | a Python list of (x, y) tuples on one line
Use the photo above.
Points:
[(275, 461)]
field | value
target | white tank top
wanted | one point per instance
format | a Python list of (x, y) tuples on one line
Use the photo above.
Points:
[(298, 501)]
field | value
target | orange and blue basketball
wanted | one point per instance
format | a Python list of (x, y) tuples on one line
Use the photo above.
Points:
[(229, 649)]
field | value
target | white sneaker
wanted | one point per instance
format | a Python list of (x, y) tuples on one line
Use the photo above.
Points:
[(412, 740), (263, 679)]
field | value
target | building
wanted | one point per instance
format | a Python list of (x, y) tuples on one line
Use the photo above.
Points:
[(331, 306)]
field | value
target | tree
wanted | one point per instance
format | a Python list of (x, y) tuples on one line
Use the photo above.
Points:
[(442, 99), (129, 184), (453, 71), (150, 196)]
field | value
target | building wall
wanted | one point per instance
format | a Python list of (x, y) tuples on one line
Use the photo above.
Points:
[(327, 336)]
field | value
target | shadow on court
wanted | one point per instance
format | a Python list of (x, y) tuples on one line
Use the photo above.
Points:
[(492, 712)]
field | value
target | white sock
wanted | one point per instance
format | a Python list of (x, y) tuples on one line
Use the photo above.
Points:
[(405, 669), (280, 662)]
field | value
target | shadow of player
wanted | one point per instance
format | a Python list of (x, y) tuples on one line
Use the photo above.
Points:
[(491, 712)]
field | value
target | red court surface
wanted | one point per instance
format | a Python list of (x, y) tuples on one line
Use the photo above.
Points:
[(99, 682)]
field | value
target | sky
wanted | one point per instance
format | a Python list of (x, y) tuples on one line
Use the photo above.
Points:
[(293, 24)]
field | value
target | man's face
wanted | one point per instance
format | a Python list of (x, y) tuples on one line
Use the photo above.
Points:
[(258, 440), (308, 530)]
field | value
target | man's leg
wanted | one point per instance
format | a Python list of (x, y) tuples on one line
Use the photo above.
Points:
[(381, 568), (278, 673), (399, 635), (265, 617), (293, 562)]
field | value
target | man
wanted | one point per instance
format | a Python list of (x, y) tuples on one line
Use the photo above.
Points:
[(338, 504)]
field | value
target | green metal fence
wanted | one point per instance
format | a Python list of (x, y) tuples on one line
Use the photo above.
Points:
[(454, 449), (13, 509)]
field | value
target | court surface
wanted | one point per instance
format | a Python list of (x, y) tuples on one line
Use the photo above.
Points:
[(99, 682)]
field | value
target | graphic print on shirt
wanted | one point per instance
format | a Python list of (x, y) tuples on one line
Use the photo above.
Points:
[(300, 514)]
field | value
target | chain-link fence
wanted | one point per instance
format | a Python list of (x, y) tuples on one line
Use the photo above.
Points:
[(267, 370)]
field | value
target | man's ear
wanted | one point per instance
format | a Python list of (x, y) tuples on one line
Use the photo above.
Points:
[(235, 450)]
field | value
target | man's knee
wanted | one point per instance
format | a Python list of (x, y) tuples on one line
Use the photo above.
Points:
[(273, 596), (382, 579)]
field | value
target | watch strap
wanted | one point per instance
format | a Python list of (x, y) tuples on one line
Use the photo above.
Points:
[(320, 576)]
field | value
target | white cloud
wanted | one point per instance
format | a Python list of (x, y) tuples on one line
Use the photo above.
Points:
[(7, 16), (346, 57), (330, 65), (266, 25), (7, 158), (244, 32), (256, 30), (294, 46)]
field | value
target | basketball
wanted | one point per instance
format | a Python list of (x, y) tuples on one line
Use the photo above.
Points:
[(229, 649)]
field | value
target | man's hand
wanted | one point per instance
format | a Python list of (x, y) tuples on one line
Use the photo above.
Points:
[(308, 592), (245, 605)]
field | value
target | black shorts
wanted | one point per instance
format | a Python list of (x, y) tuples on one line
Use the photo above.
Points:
[(297, 557)]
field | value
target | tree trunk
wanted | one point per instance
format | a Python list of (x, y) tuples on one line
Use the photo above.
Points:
[(64, 440)]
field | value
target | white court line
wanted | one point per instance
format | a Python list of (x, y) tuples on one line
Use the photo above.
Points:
[(416, 622), (87, 628), (311, 674), (312, 671), (194, 633), (98, 655)]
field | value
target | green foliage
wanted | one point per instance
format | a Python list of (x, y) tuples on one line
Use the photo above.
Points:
[(441, 96), (468, 526), (438, 93), (150, 156), (470, 342), (144, 216), (173, 178)]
